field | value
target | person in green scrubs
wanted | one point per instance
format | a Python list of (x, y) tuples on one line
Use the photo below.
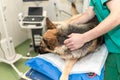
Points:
[(108, 15)]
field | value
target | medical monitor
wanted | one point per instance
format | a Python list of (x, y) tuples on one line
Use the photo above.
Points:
[(35, 11)]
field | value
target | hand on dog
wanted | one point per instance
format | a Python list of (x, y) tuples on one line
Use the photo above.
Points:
[(74, 41)]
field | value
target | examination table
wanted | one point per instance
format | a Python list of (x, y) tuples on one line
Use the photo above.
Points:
[(49, 66)]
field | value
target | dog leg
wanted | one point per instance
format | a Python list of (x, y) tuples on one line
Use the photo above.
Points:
[(67, 69)]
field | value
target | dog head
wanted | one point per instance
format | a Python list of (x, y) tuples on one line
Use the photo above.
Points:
[(49, 41)]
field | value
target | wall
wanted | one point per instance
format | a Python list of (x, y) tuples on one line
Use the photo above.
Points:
[(53, 11), (2, 33), (11, 8), (86, 4), (64, 5), (54, 8)]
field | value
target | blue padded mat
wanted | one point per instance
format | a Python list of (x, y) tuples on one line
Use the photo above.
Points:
[(46, 71), (35, 75)]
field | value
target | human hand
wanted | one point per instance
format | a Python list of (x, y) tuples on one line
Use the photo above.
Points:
[(74, 41)]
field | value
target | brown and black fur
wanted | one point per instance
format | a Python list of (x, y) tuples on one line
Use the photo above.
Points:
[(49, 24), (53, 42)]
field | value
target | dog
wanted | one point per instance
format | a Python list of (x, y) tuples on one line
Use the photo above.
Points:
[(53, 41)]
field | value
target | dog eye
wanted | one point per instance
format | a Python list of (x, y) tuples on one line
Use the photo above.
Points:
[(44, 40)]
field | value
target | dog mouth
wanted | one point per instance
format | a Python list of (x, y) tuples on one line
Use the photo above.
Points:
[(44, 48), (45, 43)]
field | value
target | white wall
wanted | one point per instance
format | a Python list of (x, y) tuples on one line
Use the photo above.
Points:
[(85, 5), (65, 5), (2, 34), (11, 8), (53, 11)]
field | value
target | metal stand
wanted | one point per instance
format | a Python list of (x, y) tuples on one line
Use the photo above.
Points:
[(8, 54)]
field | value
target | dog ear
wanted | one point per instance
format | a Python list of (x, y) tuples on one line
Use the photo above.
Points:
[(49, 24)]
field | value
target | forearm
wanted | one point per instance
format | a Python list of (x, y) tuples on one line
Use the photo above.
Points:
[(83, 17), (105, 26)]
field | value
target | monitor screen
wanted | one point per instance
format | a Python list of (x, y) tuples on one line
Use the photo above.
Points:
[(35, 10)]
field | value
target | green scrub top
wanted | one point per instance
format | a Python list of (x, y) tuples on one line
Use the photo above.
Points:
[(112, 38)]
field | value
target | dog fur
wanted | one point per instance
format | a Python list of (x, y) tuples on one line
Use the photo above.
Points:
[(53, 42)]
